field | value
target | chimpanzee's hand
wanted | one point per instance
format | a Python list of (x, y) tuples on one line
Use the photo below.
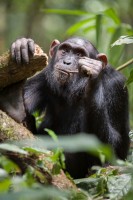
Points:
[(22, 49), (90, 67)]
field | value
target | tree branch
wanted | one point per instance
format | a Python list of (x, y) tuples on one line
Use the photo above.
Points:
[(10, 72), (124, 65)]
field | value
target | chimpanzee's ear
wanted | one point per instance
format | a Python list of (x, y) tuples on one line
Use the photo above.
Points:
[(52, 47), (102, 57)]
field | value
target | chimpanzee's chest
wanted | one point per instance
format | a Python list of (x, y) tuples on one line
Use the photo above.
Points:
[(67, 119)]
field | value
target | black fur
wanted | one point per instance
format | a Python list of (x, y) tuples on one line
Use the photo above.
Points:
[(81, 104)]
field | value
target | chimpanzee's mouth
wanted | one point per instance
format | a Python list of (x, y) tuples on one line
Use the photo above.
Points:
[(63, 75), (67, 72)]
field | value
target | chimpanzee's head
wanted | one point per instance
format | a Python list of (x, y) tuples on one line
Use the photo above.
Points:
[(65, 58)]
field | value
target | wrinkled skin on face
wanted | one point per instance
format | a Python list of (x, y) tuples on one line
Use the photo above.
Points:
[(73, 58)]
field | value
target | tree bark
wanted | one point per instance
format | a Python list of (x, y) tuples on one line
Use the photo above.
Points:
[(10, 72), (11, 130), (11, 84)]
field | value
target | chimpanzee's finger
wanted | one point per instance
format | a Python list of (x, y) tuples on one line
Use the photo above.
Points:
[(91, 66), (89, 70), (17, 51), (12, 50), (31, 46), (24, 52), (90, 63)]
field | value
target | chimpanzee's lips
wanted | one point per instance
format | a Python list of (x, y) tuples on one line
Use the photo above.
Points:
[(63, 75), (67, 72), (62, 71)]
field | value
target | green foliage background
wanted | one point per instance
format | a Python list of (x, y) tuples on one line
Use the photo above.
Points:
[(100, 21)]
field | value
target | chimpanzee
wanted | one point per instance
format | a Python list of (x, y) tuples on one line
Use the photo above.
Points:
[(80, 92)]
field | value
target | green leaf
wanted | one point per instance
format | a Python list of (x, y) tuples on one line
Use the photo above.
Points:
[(56, 169), (5, 185), (89, 184), (76, 143), (90, 28), (46, 193), (118, 186), (36, 150), (79, 25), (112, 14), (52, 134), (123, 40), (8, 165), (106, 182), (80, 195), (65, 12), (12, 148), (39, 194), (58, 157)]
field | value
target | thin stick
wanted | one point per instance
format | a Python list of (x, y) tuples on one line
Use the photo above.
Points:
[(124, 65), (67, 71)]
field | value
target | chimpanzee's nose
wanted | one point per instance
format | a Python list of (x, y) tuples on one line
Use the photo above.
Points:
[(66, 62)]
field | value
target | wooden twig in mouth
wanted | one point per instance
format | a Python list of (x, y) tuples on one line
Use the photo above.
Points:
[(67, 71)]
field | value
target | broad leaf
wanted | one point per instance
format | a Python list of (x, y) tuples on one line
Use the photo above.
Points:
[(80, 25), (123, 40), (12, 148), (65, 12), (75, 143), (112, 14)]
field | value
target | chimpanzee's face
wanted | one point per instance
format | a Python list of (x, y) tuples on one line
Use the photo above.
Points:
[(67, 57)]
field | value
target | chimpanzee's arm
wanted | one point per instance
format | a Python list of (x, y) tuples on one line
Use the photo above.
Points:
[(34, 93), (34, 90), (109, 110)]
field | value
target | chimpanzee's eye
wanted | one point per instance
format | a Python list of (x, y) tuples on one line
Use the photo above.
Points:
[(80, 53), (63, 51)]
